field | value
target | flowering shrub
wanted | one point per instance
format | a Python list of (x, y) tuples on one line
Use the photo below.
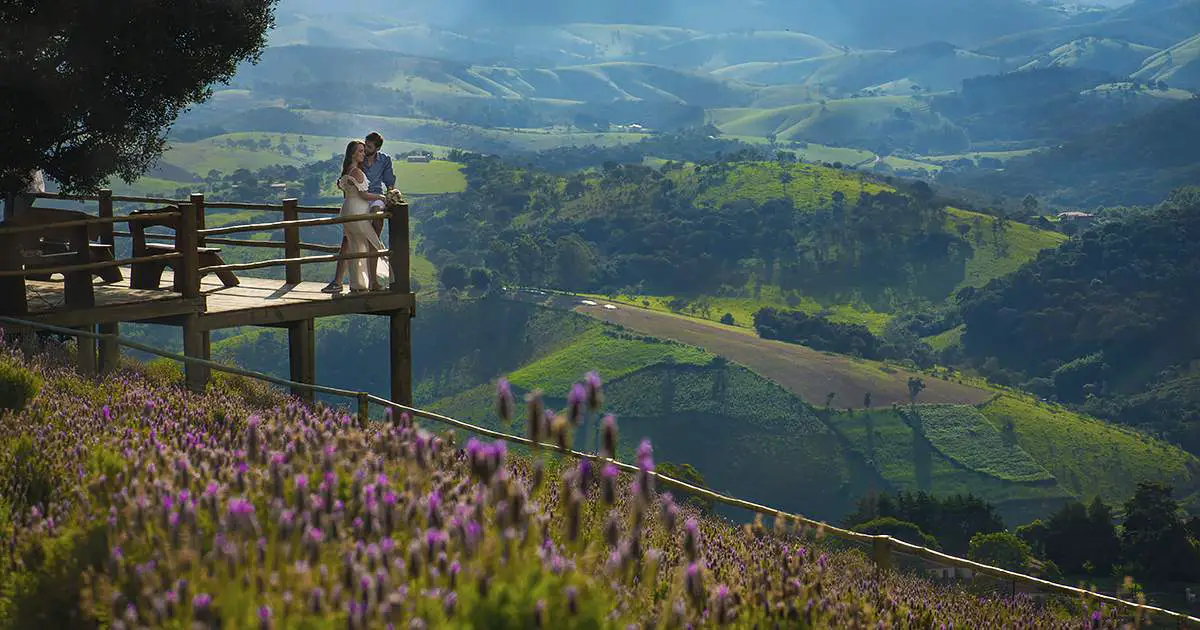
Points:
[(162, 508)]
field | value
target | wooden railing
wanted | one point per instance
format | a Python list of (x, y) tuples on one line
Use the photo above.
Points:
[(192, 233), (77, 273), (882, 547)]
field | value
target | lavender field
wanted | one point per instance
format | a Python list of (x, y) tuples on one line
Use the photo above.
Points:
[(129, 503)]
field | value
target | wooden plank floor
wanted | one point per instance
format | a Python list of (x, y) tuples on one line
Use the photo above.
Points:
[(45, 296), (256, 301)]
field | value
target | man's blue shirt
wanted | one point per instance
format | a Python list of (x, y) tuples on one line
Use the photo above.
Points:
[(379, 173)]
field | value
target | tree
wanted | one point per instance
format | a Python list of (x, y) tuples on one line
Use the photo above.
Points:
[(1034, 535), (1030, 205), (727, 319), (91, 88), (999, 549), (481, 278), (915, 385), (1155, 541), (454, 277)]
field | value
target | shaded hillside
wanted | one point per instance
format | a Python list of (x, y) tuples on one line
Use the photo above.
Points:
[(882, 124), (933, 66), (1135, 162), (426, 78), (1177, 66), (1153, 23), (1108, 316), (1117, 57), (1038, 106), (712, 51)]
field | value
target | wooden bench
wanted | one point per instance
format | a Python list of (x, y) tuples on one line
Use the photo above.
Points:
[(148, 275), (53, 245)]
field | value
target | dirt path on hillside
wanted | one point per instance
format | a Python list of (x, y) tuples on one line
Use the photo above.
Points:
[(810, 374)]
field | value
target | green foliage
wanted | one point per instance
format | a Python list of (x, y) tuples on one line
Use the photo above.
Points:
[(1155, 539), (27, 477), (1101, 314), (163, 56), (688, 474), (18, 385), (903, 530), (1079, 539), (963, 434), (952, 520), (1001, 549), (454, 277)]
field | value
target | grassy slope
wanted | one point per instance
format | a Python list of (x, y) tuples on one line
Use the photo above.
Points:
[(750, 436), (1020, 244)]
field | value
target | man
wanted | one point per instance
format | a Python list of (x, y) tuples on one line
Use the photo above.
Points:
[(377, 166)]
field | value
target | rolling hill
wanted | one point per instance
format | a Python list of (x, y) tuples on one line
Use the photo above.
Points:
[(934, 66), (881, 124), (1118, 57), (1177, 66), (1154, 23), (712, 51)]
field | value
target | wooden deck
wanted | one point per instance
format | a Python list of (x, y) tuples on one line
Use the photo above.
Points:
[(254, 302)]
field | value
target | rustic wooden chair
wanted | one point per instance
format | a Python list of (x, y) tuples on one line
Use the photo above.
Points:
[(147, 275), (55, 244)]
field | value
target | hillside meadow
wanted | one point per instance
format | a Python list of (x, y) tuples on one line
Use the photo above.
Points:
[(239, 508)]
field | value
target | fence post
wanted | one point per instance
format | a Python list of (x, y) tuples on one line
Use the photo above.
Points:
[(398, 259), (302, 357), (186, 241), (291, 240), (881, 553), (364, 408), (106, 212), (110, 350)]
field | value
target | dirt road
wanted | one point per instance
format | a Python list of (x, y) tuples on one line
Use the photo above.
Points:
[(810, 374)]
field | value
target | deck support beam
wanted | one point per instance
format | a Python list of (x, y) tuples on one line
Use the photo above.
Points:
[(85, 348), (196, 344), (400, 355), (302, 354), (110, 351)]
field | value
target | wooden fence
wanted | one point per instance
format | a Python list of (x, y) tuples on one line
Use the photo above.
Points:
[(882, 546)]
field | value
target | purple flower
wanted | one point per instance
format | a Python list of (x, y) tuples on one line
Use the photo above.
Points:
[(575, 400), (504, 400)]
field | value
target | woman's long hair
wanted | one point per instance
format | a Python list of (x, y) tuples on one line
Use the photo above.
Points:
[(349, 159)]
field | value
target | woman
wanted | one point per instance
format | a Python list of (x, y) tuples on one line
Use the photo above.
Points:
[(359, 236)]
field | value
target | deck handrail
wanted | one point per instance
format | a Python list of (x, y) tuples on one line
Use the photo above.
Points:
[(296, 223), (881, 544), (224, 205), (192, 213)]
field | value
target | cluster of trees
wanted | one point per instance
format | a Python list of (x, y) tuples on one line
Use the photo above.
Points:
[(1103, 320), (1149, 539), (818, 332), (628, 225)]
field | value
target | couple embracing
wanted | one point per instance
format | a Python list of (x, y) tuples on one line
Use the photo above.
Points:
[(365, 172)]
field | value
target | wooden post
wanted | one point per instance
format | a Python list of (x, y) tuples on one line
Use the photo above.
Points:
[(400, 345), (77, 285), (12, 288), (198, 203), (110, 351), (881, 554), (186, 241), (302, 350), (364, 409), (86, 349), (106, 212), (291, 240), (196, 344), (398, 259)]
